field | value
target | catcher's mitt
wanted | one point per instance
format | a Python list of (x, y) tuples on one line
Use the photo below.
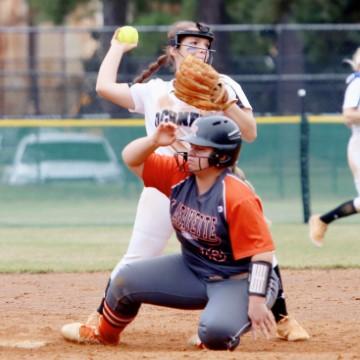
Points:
[(198, 84)]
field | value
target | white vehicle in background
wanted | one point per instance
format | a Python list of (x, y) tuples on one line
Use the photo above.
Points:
[(52, 156)]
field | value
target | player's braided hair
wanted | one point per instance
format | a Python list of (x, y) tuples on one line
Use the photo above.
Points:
[(164, 59), (152, 68)]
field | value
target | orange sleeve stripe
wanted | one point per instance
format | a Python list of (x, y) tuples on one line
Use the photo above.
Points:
[(249, 233)]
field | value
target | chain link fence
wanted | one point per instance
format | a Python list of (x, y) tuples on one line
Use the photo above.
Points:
[(51, 71)]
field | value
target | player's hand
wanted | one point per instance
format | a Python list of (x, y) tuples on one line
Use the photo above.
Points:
[(165, 134), (125, 47), (262, 319)]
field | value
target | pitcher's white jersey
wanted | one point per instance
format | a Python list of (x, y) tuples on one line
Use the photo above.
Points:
[(157, 101)]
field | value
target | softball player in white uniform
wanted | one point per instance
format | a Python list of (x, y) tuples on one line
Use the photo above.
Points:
[(155, 99), (351, 112)]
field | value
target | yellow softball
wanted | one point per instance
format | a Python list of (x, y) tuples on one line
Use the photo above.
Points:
[(127, 35)]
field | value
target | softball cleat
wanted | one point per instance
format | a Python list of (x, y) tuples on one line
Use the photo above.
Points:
[(317, 230), (80, 333), (290, 330)]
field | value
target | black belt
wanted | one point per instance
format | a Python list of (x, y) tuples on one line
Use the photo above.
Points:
[(240, 276)]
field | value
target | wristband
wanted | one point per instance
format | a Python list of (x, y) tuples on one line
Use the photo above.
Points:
[(259, 278)]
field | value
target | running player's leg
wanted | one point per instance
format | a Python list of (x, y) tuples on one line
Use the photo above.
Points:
[(354, 164), (352, 206), (319, 223), (345, 209)]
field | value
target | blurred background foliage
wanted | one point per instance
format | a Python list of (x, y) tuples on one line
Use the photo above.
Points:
[(165, 12), (156, 12), (260, 44), (54, 10)]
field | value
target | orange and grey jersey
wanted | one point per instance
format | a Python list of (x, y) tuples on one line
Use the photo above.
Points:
[(219, 230)]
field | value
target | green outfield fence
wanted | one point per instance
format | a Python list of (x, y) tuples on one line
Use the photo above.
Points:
[(271, 163)]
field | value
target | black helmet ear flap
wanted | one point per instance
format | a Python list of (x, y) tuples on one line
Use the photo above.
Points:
[(221, 159), (173, 42)]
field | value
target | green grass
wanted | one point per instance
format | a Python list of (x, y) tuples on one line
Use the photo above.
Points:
[(57, 205), (78, 249), (86, 227), (295, 250)]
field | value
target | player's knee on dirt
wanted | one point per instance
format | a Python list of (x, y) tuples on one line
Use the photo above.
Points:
[(217, 336)]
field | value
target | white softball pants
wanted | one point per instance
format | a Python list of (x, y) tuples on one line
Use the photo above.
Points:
[(353, 152), (152, 228)]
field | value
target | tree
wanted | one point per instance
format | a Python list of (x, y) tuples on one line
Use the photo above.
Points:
[(115, 13), (290, 46), (214, 12), (54, 10)]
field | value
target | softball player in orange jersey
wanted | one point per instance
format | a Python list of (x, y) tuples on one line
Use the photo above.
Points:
[(155, 99)]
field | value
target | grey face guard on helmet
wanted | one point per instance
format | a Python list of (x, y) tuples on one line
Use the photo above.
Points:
[(182, 157), (220, 158), (204, 32)]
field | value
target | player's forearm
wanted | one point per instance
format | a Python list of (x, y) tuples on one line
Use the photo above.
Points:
[(245, 120), (351, 116), (136, 152), (109, 67), (260, 273)]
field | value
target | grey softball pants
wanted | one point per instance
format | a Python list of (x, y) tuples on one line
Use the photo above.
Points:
[(168, 281)]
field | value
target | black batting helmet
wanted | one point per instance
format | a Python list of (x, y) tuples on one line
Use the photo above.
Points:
[(220, 133), (203, 31)]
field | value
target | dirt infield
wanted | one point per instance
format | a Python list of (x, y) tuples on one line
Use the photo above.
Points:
[(34, 307)]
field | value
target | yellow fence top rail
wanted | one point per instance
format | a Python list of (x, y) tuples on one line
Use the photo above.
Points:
[(320, 119)]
